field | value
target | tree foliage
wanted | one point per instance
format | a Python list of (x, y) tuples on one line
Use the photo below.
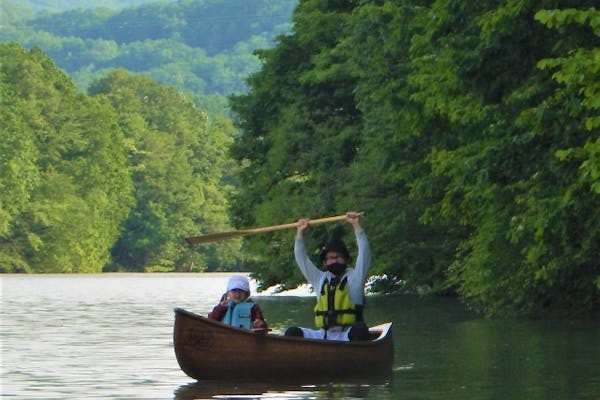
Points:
[(467, 131), (65, 188), (177, 162), (112, 180), (299, 136)]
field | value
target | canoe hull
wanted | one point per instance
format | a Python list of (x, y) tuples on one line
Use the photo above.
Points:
[(207, 349)]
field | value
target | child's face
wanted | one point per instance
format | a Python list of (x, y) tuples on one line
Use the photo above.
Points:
[(237, 295)]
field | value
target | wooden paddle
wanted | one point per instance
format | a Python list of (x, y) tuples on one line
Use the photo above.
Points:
[(215, 237)]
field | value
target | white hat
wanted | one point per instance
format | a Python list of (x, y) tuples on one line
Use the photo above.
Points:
[(238, 282)]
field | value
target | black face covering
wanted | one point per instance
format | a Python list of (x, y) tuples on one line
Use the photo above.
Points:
[(336, 268)]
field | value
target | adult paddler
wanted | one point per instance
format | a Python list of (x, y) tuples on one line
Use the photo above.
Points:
[(339, 289)]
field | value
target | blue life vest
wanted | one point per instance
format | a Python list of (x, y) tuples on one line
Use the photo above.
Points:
[(239, 315)]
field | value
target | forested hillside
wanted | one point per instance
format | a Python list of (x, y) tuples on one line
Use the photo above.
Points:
[(107, 181), (467, 131), (203, 46), (64, 5), (171, 143)]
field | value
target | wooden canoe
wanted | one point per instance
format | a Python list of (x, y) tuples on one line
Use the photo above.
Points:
[(208, 350)]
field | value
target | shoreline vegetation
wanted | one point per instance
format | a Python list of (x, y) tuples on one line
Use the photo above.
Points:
[(469, 136)]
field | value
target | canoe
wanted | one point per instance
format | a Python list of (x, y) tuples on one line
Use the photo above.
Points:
[(208, 350)]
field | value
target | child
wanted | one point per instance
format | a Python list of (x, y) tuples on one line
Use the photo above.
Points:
[(236, 308)]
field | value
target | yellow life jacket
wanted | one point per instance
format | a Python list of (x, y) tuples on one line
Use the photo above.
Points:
[(334, 307)]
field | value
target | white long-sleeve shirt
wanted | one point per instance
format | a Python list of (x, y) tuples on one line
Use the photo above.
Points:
[(357, 276)]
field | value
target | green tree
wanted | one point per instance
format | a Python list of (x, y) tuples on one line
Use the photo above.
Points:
[(467, 131), (475, 67), (299, 129), (19, 175), (177, 160), (63, 166), (396, 141)]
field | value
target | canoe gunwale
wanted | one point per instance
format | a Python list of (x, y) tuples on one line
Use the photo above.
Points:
[(382, 330)]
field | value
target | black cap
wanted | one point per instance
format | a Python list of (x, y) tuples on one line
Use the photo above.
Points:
[(335, 246)]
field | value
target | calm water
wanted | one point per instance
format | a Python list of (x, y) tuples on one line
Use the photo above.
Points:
[(109, 336)]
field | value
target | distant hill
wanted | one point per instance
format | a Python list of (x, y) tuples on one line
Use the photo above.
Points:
[(202, 46), (64, 5)]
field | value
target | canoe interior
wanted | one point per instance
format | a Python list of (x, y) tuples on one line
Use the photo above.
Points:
[(208, 350)]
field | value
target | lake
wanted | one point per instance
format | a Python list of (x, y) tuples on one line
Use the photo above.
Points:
[(109, 336)]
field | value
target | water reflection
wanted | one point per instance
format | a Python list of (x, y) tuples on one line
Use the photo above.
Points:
[(359, 389)]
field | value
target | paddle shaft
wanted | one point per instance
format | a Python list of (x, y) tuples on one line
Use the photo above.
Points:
[(215, 237)]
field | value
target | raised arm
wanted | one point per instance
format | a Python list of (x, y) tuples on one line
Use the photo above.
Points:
[(363, 259), (311, 273)]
